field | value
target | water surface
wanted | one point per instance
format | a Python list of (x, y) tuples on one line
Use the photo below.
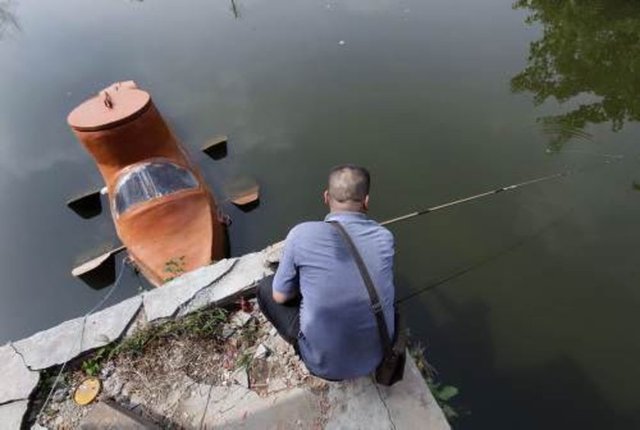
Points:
[(439, 99)]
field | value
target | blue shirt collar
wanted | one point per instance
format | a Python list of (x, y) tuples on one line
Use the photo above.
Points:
[(345, 216)]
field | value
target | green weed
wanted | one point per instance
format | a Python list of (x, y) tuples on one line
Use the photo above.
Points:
[(205, 323), (244, 360), (92, 365), (443, 393), (174, 267)]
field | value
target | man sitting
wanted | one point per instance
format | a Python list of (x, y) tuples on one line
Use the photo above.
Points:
[(317, 300)]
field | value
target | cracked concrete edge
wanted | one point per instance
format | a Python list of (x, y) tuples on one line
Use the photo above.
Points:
[(14, 397), (406, 405), (206, 407), (246, 273), (356, 401), (411, 401), (61, 343), (391, 412), (189, 306), (185, 307), (236, 407), (386, 407), (12, 414), (165, 302), (18, 381), (248, 269)]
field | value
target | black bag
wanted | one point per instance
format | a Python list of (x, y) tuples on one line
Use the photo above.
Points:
[(394, 353)]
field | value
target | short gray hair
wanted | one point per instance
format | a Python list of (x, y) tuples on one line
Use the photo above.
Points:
[(349, 182)]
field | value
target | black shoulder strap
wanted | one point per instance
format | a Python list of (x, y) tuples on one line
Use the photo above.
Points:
[(376, 306)]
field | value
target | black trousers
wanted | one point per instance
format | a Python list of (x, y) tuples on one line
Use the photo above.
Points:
[(284, 317)]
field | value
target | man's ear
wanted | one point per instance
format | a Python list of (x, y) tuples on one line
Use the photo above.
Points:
[(365, 204), (325, 195)]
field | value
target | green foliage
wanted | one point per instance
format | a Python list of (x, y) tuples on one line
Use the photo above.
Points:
[(92, 365), (48, 378), (635, 186), (174, 267), (589, 53), (205, 323), (443, 393), (446, 392), (244, 360), (249, 334)]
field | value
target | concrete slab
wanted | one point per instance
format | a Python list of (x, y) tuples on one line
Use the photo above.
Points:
[(236, 407), (273, 253), (17, 380), (411, 404), (110, 416), (191, 407), (362, 404), (11, 414), (249, 270), (164, 302), (296, 408), (356, 405), (61, 343)]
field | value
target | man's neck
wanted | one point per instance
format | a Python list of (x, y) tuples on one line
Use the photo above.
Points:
[(346, 210), (347, 207)]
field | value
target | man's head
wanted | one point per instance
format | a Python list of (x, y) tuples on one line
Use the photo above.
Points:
[(348, 189)]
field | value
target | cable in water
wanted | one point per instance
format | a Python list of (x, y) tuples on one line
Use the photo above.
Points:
[(84, 321)]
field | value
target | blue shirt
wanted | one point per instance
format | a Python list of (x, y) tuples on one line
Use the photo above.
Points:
[(339, 337)]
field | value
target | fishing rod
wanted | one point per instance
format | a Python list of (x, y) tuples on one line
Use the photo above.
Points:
[(494, 191), (483, 261)]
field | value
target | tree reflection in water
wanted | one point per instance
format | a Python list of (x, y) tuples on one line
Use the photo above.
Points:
[(589, 55), (8, 19)]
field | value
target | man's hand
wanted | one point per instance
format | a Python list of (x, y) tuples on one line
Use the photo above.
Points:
[(280, 298)]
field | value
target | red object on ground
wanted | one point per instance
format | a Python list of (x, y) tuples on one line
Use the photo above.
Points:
[(246, 305)]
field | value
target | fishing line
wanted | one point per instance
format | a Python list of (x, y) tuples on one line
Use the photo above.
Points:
[(497, 191), (478, 264), (484, 261), (581, 151), (84, 321)]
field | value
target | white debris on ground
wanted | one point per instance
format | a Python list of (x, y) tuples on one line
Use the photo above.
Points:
[(164, 379)]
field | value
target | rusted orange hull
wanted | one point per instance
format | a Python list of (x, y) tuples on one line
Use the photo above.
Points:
[(165, 234)]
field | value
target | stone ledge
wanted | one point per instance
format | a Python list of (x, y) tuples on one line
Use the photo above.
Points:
[(191, 291), (353, 404), (164, 302), (362, 404), (247, 272), (410, 402), (61, 343), (17, 381), (107, 416), (11, 414)]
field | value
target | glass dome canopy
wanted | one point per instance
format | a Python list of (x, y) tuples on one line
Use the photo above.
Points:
[(149, 181)]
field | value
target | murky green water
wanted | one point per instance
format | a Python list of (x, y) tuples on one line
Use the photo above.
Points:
[(439, 99)]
